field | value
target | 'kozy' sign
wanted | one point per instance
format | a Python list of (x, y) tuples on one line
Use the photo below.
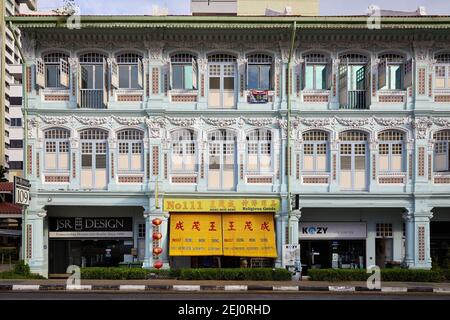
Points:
[(332, 230)]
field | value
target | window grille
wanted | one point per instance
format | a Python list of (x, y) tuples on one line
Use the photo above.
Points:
[(50, 146), (384, 230), (183, 135), (259, 58), (443, 58), (221, 57), (141, 230), (92, 57), (259, 135), (128, 57), (130, 134), (315, 135), (315, 58), (56, 134), (221, 135), (443, 135), (123, 147), (392, 57), (93, 134), (182, 58), (391, 135), (353, 136), (54, 57), (354, 58)]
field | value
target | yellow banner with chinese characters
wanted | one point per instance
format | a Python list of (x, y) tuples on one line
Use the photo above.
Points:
[(240, 235), (221, 205), (249, 235), (195, 235)]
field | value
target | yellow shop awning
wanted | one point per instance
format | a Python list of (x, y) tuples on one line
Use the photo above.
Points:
[(240, 235)]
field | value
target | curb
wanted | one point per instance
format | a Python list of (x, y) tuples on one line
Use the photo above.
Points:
[(231, 288)]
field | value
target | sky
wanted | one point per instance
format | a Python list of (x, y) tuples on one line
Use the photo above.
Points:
[(327, 7)]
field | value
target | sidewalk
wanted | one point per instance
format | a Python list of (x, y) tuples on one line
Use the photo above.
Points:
[(206, 285)]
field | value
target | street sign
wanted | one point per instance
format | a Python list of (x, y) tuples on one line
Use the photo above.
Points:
[(291, 254), (21, 191)]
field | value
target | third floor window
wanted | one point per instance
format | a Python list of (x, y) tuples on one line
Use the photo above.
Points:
[(442, 71)]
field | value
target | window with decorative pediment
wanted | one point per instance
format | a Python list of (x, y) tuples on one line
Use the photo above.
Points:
[(441, 151), (315, 151), (184, 151), (130, 150), (57, 147), (391, 151)]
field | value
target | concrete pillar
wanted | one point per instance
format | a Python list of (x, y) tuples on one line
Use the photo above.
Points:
[(422, 256), (163, 243), (34, 232)]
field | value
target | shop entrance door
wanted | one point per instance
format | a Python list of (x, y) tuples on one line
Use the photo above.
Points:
[(384, 251)]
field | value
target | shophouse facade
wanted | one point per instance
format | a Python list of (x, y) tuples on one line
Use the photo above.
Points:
[(165, 140)]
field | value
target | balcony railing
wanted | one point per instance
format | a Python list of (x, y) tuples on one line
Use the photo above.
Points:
[(356, 99), (92, 99)]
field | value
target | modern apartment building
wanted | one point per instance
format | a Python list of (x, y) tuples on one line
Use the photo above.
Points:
[(11, 117), (255, 7), (180, 141)]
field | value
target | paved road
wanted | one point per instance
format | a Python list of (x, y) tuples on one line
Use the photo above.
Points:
[(216, 296)]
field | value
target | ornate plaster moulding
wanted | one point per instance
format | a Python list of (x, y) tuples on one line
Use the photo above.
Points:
[(129, 121), (92, 121), (421, 125), (182, 122), (55, 120), (220, 122), (349, 122), (441, 122), (392, 122)]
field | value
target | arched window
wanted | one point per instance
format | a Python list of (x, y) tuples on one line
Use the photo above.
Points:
[(442, 71), (441, 151), (259, 151), (92, 75), (130, 71), (221, 148), (184, 156), (222, 81), (56, 70), (316, 72), (315, 151), (354, 71), (259, 71), (391, 149), (184, 71), (353, 160), (56, 149), (131, 150), (94, 150), (391, 71), (221, 57)]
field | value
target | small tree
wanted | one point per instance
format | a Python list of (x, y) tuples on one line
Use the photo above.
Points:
[(3, 172)]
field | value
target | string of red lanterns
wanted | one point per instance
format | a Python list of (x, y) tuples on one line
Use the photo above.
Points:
[(156, 237)]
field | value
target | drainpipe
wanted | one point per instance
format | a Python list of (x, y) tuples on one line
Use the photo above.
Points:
[(25, 133), (289, 88)]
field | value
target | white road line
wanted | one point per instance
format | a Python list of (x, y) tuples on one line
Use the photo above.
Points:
[(79, 287), (127, 287), (341, 288), (285, 288), (441, 290), (394, 289)]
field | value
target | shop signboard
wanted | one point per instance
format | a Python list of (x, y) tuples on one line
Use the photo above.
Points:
[(332, 230), (222, 205), (291, 254), (90, 227), (21, 191), (241, 235)]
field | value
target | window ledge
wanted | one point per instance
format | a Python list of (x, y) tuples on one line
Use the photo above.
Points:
[(183, 92), (312, 91), (130, 91), (390, 92), (57, 91)]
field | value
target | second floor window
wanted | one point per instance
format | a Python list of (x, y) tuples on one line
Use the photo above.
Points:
[(56, 149), (441, 151), (315, 151), (259, 151), (391, 71), (442, 71), (184, 71), (131, 150), (130, 71), (259, 72), (391, 151), (316, 73), (183, 151), (56, 70)]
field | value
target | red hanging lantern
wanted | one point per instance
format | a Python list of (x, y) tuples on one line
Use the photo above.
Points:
[(158, 264), (157, 250), (157, 236), (156, 221)]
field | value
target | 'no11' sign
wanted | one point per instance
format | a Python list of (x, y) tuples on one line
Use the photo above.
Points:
[(21, 191)]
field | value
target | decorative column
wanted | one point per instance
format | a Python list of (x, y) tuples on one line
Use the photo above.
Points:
[(241, 81), (373, 163), (422, 256), (422, 160), (74, 78), (281, 227), (424, 70), (202, 84), (156, 76), (34, 232), (334, 162), (201, 161), (408, 218), (334, 94), (241, 162), (293, 226), (156, 240), (112, 157)]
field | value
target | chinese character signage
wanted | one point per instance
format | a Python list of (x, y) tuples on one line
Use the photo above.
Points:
[(195, 234), (249, 235), (222, 234), (221, 205)]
